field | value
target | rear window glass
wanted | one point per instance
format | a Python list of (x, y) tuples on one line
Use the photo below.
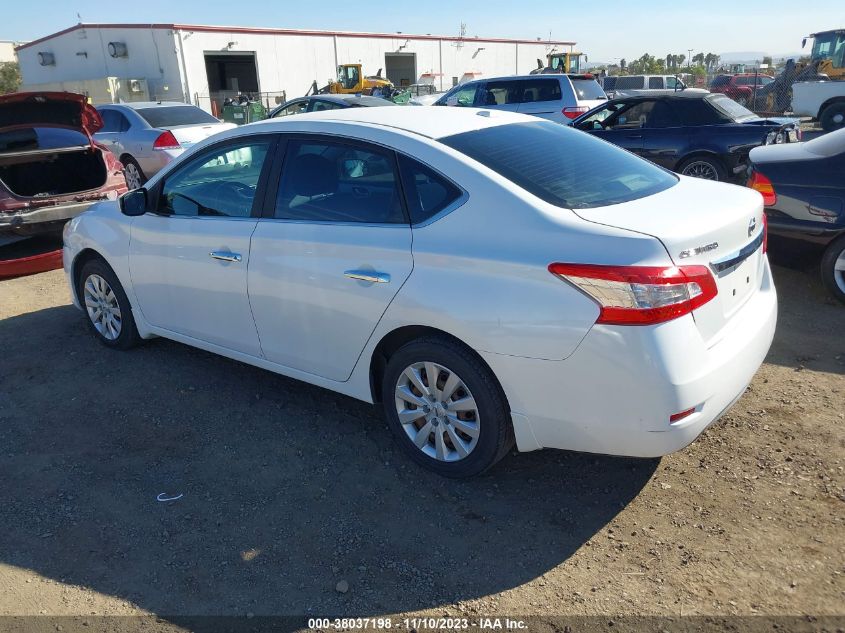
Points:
[(170, 116), (34, 138), (562, 166), (730, 108), (588, 89)]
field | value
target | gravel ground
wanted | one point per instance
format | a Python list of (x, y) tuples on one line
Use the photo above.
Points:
[(292, 494)]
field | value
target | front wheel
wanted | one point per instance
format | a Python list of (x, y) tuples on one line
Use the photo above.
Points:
[(446, 408), (703, 167), (106, 306), (833, 269)]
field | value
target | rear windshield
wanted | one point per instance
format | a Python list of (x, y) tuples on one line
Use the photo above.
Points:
[(731, 108), (171, 116), (588, 89), (39, 138), (562, 166)]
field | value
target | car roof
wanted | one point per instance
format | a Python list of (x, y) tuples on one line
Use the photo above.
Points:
[(366, 99), (678, 94), (431, 121)]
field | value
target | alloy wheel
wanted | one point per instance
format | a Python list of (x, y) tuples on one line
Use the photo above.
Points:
[(437, 411), (701, 169), (133, 176), (102, 307)]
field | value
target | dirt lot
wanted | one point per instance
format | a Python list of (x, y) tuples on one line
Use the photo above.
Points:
[(290, 489)]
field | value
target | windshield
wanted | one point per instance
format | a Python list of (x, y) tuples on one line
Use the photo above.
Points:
[(830, 46), (172, 116), (731, 108), (587, 89), (562, 166)]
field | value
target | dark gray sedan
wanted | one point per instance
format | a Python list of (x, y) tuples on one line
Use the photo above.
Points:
[(318, 103)]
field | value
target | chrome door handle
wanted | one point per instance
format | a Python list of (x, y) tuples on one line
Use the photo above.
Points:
[(225, 256), (368, 275)]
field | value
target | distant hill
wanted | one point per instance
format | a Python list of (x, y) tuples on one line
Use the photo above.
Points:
[(748, 57)]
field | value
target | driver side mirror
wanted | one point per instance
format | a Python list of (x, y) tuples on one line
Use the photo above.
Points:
[(134, 203)]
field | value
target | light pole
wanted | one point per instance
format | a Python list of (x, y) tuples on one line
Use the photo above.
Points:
[(689, 58)]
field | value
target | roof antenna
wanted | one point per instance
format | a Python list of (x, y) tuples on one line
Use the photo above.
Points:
[(79, 17)]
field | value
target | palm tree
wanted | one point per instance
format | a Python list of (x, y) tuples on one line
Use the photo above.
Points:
[(698, 59), (681, 59)]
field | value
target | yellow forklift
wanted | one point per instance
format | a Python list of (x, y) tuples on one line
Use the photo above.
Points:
[(561, 63)]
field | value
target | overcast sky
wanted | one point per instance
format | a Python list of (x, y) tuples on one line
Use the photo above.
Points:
[(604, 29)]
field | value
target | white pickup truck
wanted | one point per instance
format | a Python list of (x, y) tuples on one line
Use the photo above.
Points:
[(822, 100)]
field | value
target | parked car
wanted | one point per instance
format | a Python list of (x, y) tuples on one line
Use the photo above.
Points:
[(741, 87), (318, 103), (430, 261), (50, 167), (695, 134), (616, 86), (146, 136), (822, 100), (804, 192), (555, 97)]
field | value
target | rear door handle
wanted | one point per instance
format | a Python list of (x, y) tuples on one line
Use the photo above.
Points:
[(226, 256), (368, 275)]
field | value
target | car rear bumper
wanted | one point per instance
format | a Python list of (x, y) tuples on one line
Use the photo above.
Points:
[(28, 221), (615, 393)]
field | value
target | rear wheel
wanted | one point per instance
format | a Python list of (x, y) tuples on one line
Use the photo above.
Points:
[(833, 269), (833, 117), (106, 306), (133, 173), (703, 167), (446, 408)]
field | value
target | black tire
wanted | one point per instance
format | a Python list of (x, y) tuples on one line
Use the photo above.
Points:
[(834, 281), (128, 336), (129, 164), (694, 163), (833, 117), (495, 430)]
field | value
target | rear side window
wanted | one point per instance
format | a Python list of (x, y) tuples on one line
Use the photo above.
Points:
[(588, 89), (426, 191), (699, 112), (170, 116), (655, 83), (539, 158), (541, 90), (633, 82), (339, 182)]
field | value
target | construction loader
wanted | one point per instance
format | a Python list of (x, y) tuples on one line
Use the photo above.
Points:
[(561, 63)]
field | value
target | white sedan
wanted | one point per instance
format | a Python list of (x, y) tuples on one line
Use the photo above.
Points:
[(489, 278)]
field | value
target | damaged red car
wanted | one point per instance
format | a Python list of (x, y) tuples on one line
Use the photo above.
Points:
[(50, 167)]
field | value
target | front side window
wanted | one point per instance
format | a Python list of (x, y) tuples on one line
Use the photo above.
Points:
[(634, 116), (460, 96), (339, 182), (538, 158), (298, 107), (672, 83), (426, 191), (221, 182), (349, 76)]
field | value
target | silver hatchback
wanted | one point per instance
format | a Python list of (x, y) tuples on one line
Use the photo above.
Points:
[(146, 136)]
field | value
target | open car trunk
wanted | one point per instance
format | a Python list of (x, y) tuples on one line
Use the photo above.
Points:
[(53, 173)]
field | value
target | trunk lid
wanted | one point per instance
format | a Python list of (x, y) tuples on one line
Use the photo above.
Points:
[(188, 135), (702, 223), (53, 109)]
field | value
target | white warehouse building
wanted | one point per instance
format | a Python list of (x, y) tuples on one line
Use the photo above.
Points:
[(200, 64)]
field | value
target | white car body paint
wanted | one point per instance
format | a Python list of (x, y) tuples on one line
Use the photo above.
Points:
[(479, 273)]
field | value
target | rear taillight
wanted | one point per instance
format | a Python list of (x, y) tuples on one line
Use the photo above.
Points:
[(641, 295), (166, 140), (758, 182), (574, 113)]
